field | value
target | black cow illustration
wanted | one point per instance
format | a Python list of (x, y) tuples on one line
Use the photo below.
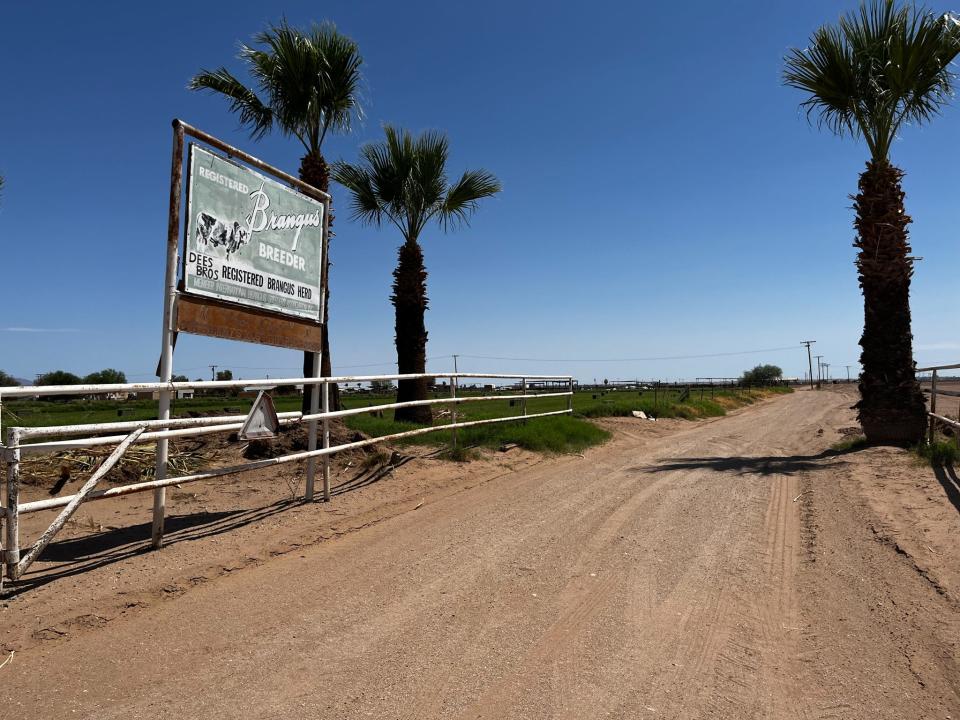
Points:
[(215, 232)]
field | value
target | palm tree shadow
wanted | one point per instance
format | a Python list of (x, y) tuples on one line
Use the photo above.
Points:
[(757, 465), (947, 475)]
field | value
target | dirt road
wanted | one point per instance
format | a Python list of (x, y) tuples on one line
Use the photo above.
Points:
[(727, 570)]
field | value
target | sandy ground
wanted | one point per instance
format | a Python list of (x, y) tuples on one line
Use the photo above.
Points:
[(947, 405), (732, 568)]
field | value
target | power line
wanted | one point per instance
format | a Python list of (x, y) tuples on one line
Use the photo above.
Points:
[(635, 359)]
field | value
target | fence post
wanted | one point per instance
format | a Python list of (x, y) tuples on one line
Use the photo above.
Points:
[(453, 410), (933, 408), (570, 397), (326, 442), (12, 520), (312, 428), (523, 400)]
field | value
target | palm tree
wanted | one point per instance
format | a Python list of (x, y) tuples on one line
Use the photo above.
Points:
[(308, 84), (880, 68), (404, 181)]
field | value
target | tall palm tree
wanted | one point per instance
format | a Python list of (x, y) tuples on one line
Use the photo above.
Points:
[(880, 68), (404, 181), (309, 85)]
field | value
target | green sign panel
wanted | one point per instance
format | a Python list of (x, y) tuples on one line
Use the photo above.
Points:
[(251, 240)]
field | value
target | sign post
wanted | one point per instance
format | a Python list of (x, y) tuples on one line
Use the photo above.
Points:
[(253, 265), (166, 352)]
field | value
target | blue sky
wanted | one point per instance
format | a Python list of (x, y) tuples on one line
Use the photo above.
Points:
[(663, 196)]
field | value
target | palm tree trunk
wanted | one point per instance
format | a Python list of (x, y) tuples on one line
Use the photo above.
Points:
[(315, 171), (891, 409), (410, 302)]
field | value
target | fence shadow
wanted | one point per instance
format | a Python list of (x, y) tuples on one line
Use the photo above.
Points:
[(756, 465), (366, 478), (88, 552), (97, 549), (947, 475)]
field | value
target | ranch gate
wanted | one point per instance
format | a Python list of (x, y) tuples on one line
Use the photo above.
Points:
[(26, 441)]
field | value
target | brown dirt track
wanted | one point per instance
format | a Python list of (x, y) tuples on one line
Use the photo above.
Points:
[(733, 568)]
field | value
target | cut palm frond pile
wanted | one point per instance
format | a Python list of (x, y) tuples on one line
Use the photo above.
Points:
[(137, 464)]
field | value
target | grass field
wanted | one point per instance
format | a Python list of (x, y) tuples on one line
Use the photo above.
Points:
[(563, 433), (550, 434)]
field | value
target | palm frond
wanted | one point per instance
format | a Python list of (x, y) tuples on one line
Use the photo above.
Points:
[(464, 195), (878, 68), (253, 113), (341, 72), (310, 82), (366, 203), (404, 180)]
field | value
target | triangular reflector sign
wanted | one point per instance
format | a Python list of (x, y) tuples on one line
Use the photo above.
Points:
[(262, 421)]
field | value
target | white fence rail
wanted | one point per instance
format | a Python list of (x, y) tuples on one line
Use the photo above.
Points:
[(932, 415), (124, 433)]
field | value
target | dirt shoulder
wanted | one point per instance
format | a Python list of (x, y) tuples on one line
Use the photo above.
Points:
[(100, 567)]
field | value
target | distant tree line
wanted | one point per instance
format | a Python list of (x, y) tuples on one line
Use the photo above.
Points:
[(107, 376)]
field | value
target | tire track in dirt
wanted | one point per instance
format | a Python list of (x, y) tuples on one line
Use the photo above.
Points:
[(648, 579)]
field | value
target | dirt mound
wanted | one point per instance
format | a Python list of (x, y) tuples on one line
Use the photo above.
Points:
[(293, 438), (186, 456)]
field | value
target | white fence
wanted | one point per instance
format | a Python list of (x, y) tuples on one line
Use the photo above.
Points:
[(932, 414), (25, 441)]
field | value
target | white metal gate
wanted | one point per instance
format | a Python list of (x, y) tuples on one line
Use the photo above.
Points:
[(24, 441)]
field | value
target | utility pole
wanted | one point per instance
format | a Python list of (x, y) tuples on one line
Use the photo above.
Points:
[(826, 372), (213, 372), (808, 343), (848, 373), (819, 367)]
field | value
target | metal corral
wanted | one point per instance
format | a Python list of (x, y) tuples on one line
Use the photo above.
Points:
[(126, 433)]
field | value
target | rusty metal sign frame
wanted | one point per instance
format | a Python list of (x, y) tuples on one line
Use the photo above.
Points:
[(285, 326), (206, 316), (239, 322)]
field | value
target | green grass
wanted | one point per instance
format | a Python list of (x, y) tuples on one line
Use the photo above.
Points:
[(939, 453), (41, 413), (850, 444), (699, 404), (560, 434)]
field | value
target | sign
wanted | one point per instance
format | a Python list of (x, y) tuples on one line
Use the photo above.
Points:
[(206, 316), (262, 421), (251, 240)]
